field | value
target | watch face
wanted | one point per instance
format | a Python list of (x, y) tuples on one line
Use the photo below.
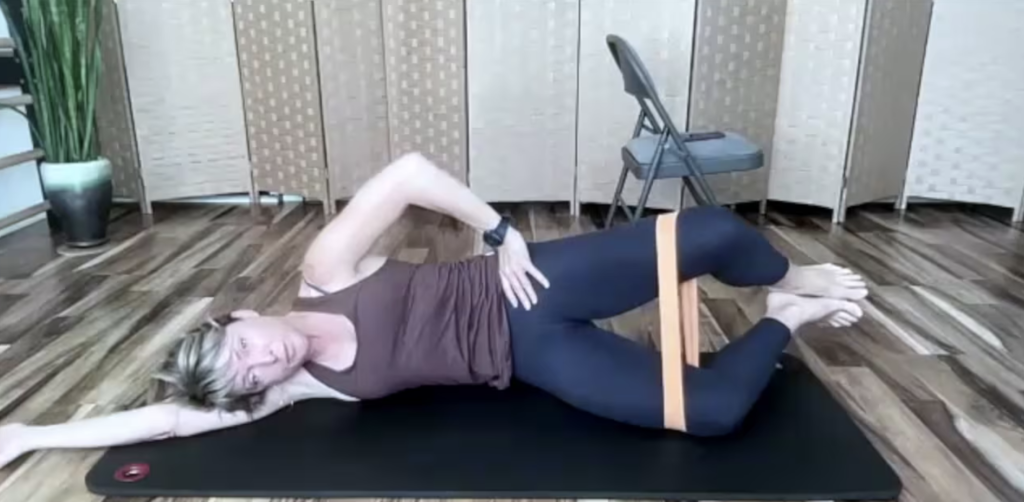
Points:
[(496, 237)]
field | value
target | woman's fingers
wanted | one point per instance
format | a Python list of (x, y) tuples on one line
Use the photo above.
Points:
[(524, 279), (516, 273), (532, 270), (517, 286), (507, 287)]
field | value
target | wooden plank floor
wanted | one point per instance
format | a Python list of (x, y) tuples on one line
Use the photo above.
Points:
[(934, 373)]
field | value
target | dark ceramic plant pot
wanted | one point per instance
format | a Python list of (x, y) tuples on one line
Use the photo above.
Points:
[(80, 196)]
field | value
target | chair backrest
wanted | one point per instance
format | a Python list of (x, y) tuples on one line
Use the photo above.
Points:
[(638, 82)]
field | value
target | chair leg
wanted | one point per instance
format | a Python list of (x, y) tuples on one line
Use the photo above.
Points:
[(697, 197), (649, 180), (644, 194), (617, 197), (707, 194)]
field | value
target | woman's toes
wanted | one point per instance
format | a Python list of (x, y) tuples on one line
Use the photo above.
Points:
[(846, 319), (838, 322), (825, 280), (852, 280)]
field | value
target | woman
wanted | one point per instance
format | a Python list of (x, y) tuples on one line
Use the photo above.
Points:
[(365, 326)]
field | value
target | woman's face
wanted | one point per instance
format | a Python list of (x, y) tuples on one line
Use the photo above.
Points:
[(262, 351)]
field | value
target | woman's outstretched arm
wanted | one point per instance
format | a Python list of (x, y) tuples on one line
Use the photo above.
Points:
[(332, 260), (148, 423)]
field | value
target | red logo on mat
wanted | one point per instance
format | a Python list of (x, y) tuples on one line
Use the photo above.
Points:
[(131, 473)]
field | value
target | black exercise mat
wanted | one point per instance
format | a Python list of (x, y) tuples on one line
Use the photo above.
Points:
[(469, 442)]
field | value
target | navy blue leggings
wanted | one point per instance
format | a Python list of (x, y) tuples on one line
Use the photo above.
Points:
[(601, 274)]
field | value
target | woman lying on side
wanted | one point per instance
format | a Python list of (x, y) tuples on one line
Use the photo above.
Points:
[(364, 326)]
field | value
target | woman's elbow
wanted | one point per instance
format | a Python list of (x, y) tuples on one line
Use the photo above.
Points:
[(406, 177), (412, 160), (411, 166)]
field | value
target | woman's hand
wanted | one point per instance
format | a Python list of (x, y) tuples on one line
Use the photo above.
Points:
[(13, 443), (516, 269)]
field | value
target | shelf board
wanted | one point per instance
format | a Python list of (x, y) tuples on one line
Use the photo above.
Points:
[(24, 214), (6, 47), (20, 100), (20, 158)]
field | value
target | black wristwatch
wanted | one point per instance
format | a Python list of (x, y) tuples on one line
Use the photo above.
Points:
[(496, 236)]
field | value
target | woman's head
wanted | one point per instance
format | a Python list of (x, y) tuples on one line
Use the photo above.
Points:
[(228, 362)]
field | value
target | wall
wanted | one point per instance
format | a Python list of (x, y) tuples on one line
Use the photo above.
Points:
[(19, 185)]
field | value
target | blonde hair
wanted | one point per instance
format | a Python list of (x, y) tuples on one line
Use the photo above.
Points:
[(194, 374)]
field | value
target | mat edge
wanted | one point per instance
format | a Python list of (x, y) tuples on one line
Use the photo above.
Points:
[(890, 494)]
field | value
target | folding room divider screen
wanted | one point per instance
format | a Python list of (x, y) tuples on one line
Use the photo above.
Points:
[(850, 73), (661, 31), (350, 49), (425, 70), (114, 126), (967, 138), (522, 64), (281, 91), (736, 65), (521, 98), (185, 93)]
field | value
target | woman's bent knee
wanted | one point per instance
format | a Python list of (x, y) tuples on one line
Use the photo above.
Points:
[(717, 220), (717, 410)]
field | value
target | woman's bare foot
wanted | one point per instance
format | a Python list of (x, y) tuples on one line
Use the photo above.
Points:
[(796, 311), (826, 280)]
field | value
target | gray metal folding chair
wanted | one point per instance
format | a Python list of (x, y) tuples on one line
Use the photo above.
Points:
[(666, 153)]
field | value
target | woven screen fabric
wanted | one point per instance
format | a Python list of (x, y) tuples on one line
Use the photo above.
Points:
[(186, 97), (425, 51), (522, 63), (967, 143), (350, 47), (816, 96), (886, 99), (737, 62), (661, 32), (114, 129), (281, 94)]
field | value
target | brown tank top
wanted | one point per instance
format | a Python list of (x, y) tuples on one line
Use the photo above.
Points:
[(420, 324)]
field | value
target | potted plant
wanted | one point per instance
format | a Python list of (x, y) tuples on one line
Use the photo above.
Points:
[(58, 42)]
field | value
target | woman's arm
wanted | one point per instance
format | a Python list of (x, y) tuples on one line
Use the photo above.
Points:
[(332, 260), (149, 423)]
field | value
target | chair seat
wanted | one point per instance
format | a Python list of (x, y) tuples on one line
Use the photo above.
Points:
[(721, 155)]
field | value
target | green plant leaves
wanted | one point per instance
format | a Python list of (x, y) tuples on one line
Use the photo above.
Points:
[(61, 39)]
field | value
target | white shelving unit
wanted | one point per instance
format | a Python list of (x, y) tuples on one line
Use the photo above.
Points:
[(21, 197)]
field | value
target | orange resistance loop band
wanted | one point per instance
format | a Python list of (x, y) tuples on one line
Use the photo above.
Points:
[(678, 308)]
